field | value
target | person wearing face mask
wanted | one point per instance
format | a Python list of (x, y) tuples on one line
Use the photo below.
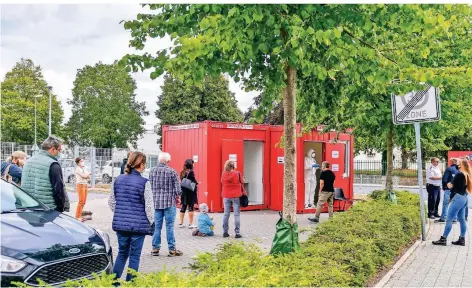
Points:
[(11, 170), (42, 176), (82, 177), (310, 179)]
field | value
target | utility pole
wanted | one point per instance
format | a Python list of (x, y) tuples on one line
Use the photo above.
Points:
[(35, 146), (50, 109)]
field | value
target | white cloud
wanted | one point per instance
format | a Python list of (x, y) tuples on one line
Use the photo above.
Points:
[(64, 38)]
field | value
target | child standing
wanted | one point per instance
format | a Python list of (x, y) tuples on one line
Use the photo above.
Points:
[(205, 223)]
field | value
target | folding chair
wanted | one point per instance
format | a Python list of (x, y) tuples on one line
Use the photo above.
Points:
[(339, 195)]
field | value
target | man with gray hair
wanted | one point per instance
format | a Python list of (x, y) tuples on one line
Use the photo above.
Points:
[(42, 176), (433, 187), (165, 186)]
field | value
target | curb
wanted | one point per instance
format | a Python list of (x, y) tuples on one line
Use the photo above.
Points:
[(402, 260)]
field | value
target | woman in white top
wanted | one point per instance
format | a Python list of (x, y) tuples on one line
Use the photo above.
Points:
[(82, 177)]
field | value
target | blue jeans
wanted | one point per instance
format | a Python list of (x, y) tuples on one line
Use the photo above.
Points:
[(446, 200), (129, 245), (457, 209), (235, 202), (168, 215)]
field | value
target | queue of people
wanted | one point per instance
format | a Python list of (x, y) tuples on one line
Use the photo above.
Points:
[(141, 206)]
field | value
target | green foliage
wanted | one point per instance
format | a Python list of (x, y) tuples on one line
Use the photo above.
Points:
[(18, 89), (346, 251), (181, 103), (105, 112)]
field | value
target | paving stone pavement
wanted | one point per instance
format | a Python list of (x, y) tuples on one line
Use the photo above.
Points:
[(437, 266), (257, 227)]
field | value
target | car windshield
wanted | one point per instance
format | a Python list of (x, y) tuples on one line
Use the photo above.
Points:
[(15, 199)]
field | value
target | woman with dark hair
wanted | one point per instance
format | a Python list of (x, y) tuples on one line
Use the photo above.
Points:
[(188, 198), (132, 204)]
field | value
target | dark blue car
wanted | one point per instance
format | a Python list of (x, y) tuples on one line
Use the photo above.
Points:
[(40, 243)]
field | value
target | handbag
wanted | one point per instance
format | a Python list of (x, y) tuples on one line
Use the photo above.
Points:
[(187, 184), (7, 176), (243, 200)]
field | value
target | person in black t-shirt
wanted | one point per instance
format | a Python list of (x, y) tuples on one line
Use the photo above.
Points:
[(327, 178)]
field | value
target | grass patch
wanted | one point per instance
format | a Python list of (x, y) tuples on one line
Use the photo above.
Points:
[(348, 250)]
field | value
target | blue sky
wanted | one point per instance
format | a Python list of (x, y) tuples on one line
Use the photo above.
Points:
[(64, 38)]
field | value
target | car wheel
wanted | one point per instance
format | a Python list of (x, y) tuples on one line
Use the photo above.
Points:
[(106, 178), (71, 179)]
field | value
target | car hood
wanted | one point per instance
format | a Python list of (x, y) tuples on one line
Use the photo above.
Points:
[(47, 236)]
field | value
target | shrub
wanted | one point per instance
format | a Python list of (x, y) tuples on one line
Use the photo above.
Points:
[(346, 251)]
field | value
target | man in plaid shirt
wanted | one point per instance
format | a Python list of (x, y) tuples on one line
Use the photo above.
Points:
[(165, 187)]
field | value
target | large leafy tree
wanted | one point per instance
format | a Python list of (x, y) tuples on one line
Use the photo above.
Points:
[(181, 103), (270, 46), (105, 112), (19, 88)]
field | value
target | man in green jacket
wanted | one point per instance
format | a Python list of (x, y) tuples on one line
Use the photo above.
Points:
[(42, 176)]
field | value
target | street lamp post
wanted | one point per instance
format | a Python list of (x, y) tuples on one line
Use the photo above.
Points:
[(50, 108), (35, 146)]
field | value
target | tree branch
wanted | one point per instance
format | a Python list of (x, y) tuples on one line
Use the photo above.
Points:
[(368, 45)]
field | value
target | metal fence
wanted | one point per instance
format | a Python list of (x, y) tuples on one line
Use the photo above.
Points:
[(404, 174), (104, 163)]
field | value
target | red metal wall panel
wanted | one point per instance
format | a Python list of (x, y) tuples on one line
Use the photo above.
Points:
[(184, 142)]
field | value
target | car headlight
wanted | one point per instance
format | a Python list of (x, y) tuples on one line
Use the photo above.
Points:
[(105, 237), (11, 265)]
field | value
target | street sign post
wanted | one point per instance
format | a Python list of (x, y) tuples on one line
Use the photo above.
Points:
[(416, 107)]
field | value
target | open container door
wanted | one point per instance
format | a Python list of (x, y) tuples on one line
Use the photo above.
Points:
[(335, 155)]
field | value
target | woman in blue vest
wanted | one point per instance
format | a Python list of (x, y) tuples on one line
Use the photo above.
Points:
[(133, 206)]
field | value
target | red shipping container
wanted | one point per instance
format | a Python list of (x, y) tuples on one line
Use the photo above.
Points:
[(254, 150), (211, 144), (458, 154), (338, 152)]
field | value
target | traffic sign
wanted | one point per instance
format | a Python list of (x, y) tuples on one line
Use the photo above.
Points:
[(417, 106)]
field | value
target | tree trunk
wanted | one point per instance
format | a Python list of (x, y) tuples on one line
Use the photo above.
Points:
[(290, 184), (389, 180), (404, 158)]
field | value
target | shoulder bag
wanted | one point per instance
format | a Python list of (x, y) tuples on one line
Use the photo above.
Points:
[(243, 200), (7, 176), (187, 184)]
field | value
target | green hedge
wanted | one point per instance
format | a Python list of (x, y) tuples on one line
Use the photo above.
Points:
[(349, 250)]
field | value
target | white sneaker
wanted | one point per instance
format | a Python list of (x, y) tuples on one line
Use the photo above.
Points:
[(192, 226), (181, 226)]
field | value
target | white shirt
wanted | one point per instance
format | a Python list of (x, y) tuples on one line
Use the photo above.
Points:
[(433, 171)]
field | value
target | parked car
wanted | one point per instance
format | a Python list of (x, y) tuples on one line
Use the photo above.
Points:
[(111, 170), (68, 170), (40, 243)]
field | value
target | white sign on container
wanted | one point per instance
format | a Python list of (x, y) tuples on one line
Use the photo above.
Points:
[(280, 160), (335, 167), (335, 154), (195, 158), (233, 157)]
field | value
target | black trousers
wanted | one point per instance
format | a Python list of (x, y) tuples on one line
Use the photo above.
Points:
[(433, 197)]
